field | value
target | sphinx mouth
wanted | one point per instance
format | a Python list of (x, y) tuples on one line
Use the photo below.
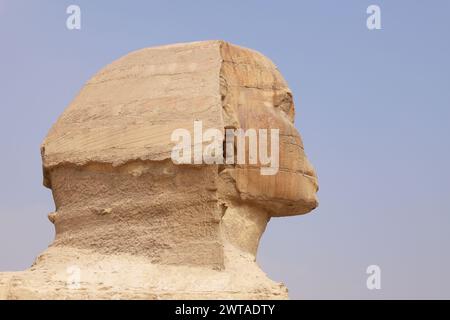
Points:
[(311, 176)]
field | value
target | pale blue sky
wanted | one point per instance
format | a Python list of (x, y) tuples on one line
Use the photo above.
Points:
[(373, 108)]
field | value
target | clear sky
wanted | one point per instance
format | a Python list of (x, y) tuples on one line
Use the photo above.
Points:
[(373, 107)]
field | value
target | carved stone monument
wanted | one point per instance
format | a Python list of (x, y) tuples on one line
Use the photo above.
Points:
[(132, 224)]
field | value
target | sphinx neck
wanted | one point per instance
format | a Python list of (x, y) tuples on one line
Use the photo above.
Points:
[(165, 212)]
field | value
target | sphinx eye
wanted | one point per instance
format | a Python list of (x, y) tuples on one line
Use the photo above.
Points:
[(285, 104)]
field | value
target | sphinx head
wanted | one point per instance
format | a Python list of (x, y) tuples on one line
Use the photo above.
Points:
[(109, 157)]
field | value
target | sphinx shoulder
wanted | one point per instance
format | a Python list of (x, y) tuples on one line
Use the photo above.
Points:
[(5, 284)]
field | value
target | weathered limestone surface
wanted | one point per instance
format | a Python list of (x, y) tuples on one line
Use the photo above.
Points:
[(138, 226)]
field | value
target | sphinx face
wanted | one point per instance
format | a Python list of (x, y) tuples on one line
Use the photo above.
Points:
[(255, 96)]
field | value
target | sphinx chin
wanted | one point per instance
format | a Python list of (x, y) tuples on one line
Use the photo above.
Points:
[(133, 224)]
